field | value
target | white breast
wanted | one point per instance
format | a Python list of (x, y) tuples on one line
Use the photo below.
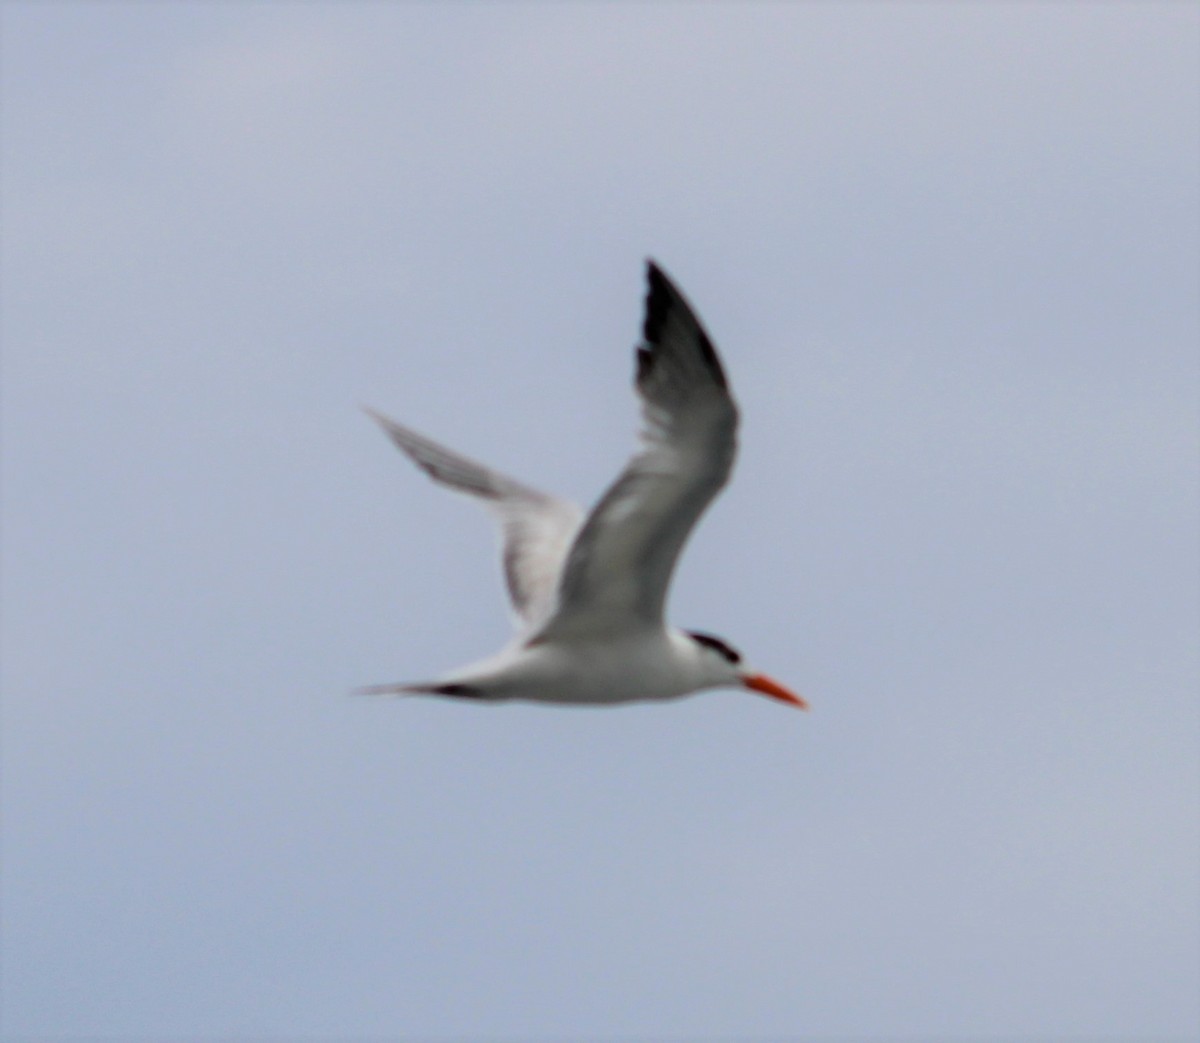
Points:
[(647, 665)]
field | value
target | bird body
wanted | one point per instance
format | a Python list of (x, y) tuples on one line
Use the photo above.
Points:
[(589, 591), (641, 665)]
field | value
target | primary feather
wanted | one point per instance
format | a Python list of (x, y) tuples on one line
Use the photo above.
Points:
[(536, 529)]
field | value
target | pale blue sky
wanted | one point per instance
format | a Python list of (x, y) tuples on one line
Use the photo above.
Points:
[(950, 255)]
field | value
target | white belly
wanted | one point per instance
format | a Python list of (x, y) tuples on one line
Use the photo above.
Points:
[(599, 672)]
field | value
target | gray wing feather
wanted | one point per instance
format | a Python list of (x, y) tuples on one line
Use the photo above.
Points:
[(619, 567), (537, 529)]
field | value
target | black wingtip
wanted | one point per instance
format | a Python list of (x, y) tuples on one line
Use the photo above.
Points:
[(659, 295), (645, 363), (662, 295)]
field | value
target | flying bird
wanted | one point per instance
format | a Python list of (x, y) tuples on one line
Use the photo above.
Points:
[(589, 591)]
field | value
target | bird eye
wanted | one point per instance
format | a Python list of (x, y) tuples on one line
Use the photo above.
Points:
[(722, 648)]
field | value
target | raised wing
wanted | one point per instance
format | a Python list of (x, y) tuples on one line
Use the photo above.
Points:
[(619, 567), (537, 529)]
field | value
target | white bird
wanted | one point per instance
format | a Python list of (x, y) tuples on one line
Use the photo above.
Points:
[(589, 592)]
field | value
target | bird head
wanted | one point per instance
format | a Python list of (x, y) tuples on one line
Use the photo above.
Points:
[(723, 663)]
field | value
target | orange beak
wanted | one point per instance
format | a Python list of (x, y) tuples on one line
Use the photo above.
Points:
[(762, 683)]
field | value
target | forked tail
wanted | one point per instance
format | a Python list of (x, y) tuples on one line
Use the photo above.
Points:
[(456, 691)]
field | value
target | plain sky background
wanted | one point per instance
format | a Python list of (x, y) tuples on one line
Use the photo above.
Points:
[(950, 255)]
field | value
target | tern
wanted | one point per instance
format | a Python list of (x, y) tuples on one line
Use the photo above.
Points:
[(588, 592)]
